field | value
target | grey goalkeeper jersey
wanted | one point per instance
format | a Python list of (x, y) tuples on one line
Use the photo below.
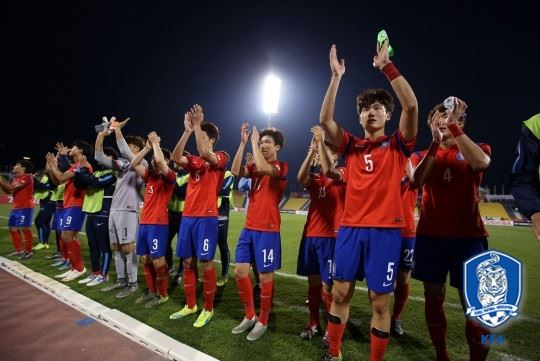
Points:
[(126, 195)]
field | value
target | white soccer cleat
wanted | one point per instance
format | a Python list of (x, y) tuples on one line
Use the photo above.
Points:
[(74, 275), (63, 275)]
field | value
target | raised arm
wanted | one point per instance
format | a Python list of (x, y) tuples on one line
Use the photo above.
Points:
[(419, 173), (136, 162), (120, 141), (408, 121), (99, 156), (177, 155), (477, 159), (303, 177), (327, 164), (262, 165), (326, 117), (236, 168), (158, 153), (203, 146)]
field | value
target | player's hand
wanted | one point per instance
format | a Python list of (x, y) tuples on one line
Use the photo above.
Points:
[(318, 134), (153, 138), (52, 161), (61, 148), (435, 131), (255, 138), (382, 58), (249, 159), (244, 133), (459, 109), (338, 67), (197, 115), (535, 219), (188, 125)]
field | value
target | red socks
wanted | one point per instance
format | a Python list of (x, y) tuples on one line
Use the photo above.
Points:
[(437, 326), (267, 294), (16, 239), (190, 287), (377, 346), (75, 255), (474, 332), (162, 280), (245, 290), (327, 299), (401, 294), (209, 287), (314, 302), (150, 277), (28, 238), (335, 330)]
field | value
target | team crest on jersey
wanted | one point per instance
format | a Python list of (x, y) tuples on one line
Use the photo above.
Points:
[(492, 287), (385, 144), (459, 156)]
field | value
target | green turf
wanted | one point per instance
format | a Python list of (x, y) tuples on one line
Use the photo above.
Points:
[(290, 312)]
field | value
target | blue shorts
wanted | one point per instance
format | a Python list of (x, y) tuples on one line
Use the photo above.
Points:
[(261, 248), (21, 217), (315, 257), (72, 219), (152, 240), (57, 220), (406, 259), (370, 253), (197, 237), (436, 256)]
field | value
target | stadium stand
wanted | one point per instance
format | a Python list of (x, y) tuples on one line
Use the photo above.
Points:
[(294, 204), (493, 210)]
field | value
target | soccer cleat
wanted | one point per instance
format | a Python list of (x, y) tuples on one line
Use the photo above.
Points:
[(156, 301), (26, 255), (245, 325), (396, 329), (99, 279), (38, 247), (63, 275), (88, 279), (329, 357), (147, 296), (204, 317), (54, 256), (186, 311), (64, 266), (309, 331), (221, 282), (15, 254), (114, 286), (256, 332), (324, 341), (130, 289), (58, 262), (74, 275)]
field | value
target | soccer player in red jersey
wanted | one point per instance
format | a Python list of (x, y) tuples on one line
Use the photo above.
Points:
[(259, 241), (450, 229), (20, 218), (154, 224), (369, 240), (409, 194), (198, 230), (73, 216), (315, 257)]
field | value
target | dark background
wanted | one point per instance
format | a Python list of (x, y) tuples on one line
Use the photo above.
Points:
[(65, 66)]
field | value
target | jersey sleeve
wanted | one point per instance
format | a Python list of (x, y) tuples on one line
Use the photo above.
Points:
[(282, 168), (416, 157), (223, 159), (345, 144), (171, 176), (485, 148), (406, 146), (146, 175)]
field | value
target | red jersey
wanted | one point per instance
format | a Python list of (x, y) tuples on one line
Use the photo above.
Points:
[(203, 185), (73, 196), (264, 197), (409, 195), (159, 189), (374, 171), (23, 197), (450, 197), (326, 207)]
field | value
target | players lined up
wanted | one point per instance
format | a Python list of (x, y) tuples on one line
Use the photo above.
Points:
[(360, 223)]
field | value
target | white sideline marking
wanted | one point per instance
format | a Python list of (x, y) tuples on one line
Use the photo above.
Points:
[(125, 325)]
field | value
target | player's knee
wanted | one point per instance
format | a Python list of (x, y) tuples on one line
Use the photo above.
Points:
[(158, 262), (241, 272), (340, 296)]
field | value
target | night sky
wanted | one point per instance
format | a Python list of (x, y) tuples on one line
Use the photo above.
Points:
[(68, 66)]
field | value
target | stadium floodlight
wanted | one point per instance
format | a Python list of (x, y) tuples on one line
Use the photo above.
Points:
[(271, 90)]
